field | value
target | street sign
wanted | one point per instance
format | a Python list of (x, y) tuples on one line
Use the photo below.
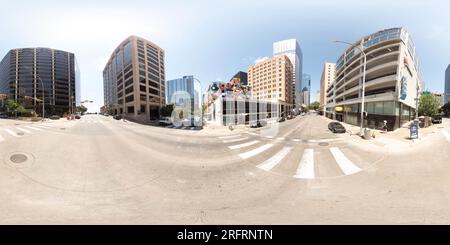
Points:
[(414, 131)]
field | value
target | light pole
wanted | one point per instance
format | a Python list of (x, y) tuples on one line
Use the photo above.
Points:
[(363, 84), (43, 97)]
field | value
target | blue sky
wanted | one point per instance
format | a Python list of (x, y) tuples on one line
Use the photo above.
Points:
[(215, 39)]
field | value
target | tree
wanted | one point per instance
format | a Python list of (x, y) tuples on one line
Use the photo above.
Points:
[(166, 110), (14, 107), (81, 109), (314, 106), (428, 105), (446, 109)]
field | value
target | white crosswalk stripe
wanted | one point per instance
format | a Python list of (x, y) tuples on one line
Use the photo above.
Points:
[(234, 147), (255, 152), (1, 138), (11, 133), (344, 163), (234, 140), (24, 130), (33, 128), (275, 160), (306, 166)]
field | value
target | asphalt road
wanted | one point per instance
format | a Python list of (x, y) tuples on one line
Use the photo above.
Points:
[(101, 171)]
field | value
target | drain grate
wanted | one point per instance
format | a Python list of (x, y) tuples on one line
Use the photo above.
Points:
[(323, 144), (18, 158)]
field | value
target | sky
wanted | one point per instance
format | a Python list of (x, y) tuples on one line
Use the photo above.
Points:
[(213, 40)]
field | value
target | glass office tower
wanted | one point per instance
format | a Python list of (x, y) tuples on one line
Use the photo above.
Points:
[(292, 50), (30, 75), (184, 91)]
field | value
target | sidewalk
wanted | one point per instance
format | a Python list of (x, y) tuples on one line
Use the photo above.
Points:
[(394, 141)]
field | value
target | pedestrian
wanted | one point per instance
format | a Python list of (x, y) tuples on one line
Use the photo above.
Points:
[(385, 128)]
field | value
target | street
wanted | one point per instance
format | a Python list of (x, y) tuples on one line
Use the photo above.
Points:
[(98, 170)]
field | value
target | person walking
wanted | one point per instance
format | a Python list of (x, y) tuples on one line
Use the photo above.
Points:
[(385, 128)]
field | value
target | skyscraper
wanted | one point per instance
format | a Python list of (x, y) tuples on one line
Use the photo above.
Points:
[(184, 91), (29, 75), (292, 50), (447, 85), (271, 80), (306, 82), (134, 80), (328, 75)]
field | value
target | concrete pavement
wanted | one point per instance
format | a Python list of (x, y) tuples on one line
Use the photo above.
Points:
[(101, 171)]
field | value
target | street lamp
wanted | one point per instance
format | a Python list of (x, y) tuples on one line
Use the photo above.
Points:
[(363, 83), (43, 97)]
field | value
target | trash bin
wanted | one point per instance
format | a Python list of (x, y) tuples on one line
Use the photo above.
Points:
[(367, 134)]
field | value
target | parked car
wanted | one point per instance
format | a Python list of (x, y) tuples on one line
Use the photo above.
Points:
[(77, 117), (436, 118), (55, 117), (336, 127), (165, 121), (118, 117), (282, 119), (290, 117), (4, 116)]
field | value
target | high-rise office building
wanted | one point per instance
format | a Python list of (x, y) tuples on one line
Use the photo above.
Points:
[(271, 80), (392, 85), (447, 85), (306, 82), (328, 75), (292, 50), (183, 92), (134, 80), (29, 75)]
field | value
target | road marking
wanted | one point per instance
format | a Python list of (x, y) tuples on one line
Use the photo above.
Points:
[(296, 140), (275, 160), (2, 139), (229, 137), (446, 134), (24, 130), (344, 163), (234, 140), (234, 147), (281, 138), (254, 134), (324, 140), (269, 137), (11, 133), (255, 151), (42, 126), (34, 128), (306, 166)]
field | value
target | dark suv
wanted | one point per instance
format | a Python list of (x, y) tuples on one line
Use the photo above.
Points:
[(436, 118)]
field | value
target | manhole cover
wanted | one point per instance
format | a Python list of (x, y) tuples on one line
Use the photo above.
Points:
[(18, 158), (324, 144), (21, 134)]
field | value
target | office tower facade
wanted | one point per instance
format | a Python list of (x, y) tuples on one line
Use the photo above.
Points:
[(271, 80), (32, 76), (133, 80), (292, 50), (447, 85), (328, 75), (184, 92), (392, 86), (306, 82)]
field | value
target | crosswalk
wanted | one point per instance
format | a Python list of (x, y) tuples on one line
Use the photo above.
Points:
[(276, 153), (19, 131)]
